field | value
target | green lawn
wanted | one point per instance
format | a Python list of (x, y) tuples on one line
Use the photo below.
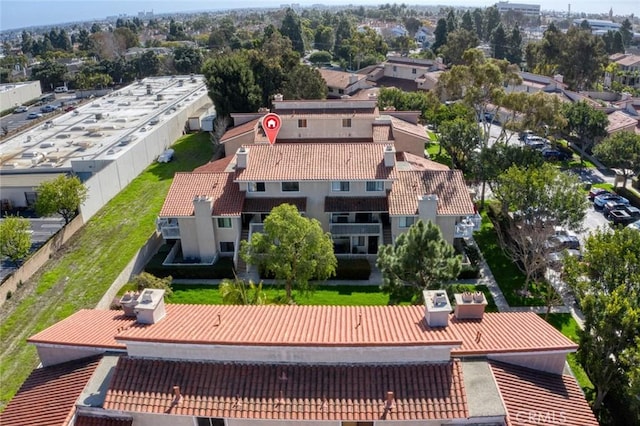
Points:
[(433, 149), (569, 327), (80, 273), (508, 276)]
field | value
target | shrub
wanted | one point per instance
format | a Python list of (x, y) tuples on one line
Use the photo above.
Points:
[(468, 272), (223, 268), (633, 198), (9, 294), (353, 269)]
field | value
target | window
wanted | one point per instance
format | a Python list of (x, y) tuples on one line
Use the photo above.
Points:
[(302, 123), (206, 421), (375, 186), (340, 218), (358, 241), (341, 91), (227, 246), (346, 122), (224, 222), (256, 187), (395, 68), (340, 186), (406, 221), (290, 186), (413, 71)]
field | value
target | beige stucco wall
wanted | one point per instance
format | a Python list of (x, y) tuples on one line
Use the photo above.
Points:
[(149, 419), (553, 362), (330, 126), (14, 94), (231, 146), (409, 143), (194, 239), (447, 225), (403, 71), (57, 354)]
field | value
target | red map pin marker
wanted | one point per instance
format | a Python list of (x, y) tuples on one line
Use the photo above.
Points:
[(271, 125)]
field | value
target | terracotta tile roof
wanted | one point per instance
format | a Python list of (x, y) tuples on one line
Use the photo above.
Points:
[(448, 185), (339, 79), (406, 127), (215, 166), (274, 325), (265, 205), (507, 332), (619, 120), (86, 420), (49, 394), (629, 60), (299, 162), (356, 204), (421, 163), (290, 325), (226, 195), (248, 127), (537, 397), (382, 133), (291, 392), (74, 331)]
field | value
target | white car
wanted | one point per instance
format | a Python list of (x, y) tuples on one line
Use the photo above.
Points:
[(21, 108), (634, 225)]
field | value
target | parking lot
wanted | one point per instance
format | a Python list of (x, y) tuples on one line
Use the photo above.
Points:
[(41, 230)]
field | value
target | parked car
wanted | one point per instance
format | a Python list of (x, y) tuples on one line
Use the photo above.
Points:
[(61, 89), (33, 115), (593, 192), (561, 242), (48, 108), (20, 108), (525, 134), (635, 225), (555, 260), (166, 156), (611, 205), (600, 200), (69, 108), (555, 154), (624, 215)]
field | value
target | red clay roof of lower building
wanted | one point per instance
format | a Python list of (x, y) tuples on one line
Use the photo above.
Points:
[(248, 127), (316, 161), (534, 397), (289, 392), (274, 325), (49, 394), (224, 192), (448, 185), (216, 166)]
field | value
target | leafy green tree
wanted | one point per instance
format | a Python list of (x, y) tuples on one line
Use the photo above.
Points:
[(293, 248), (536, 199), (478, 23), (491, 21), (587, 123), (583, 58), (621, 150), (467, 22), (366, 44), (514, 46), (176, 31), (323, 39), (147, 280), (440, 34), (231, 84), (344, 31), (458, 42), (607, 287), (187, 59), (15, 239), (292, 28), (63, 195), (237, 292), (127, 37), (452, 21), (626, 31), (94, 80), (50, 74), (148, 64), (459, 137), (499, 42), (304, 82), (412, 25), (319, 58), (419, 259), (492, 161)]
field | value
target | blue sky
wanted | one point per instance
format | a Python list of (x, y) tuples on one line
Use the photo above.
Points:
[(24, 13)]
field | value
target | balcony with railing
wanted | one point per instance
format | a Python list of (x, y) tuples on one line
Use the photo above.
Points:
[(466, 227), (353, 229)]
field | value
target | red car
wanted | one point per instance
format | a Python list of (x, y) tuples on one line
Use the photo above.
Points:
[(594, 192), (69, 108)]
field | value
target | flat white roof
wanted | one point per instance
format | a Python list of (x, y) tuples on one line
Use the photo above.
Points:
[(101, 129), (10, 86)]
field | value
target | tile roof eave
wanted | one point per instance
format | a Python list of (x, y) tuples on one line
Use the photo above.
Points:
[(52, 344), (513, 351)]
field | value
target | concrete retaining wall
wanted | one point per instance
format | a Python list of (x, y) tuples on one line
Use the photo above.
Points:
[(134, 267), (37, 259)]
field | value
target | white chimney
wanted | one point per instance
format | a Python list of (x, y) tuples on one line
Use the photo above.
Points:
[(278, 97), (150, 307), (242, 158), (470, 305), (353, 79), (389, 156), (428, 207), (437, 308)]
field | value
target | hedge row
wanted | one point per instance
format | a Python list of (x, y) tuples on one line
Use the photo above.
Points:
[(223, 268), (347, 269)]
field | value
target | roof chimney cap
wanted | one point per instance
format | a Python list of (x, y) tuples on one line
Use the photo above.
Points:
[(437, 308)]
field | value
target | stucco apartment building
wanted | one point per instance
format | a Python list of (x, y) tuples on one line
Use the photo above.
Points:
[(341, 162), (193, 365)]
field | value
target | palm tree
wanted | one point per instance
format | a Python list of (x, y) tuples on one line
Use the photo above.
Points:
[(237, 292)]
